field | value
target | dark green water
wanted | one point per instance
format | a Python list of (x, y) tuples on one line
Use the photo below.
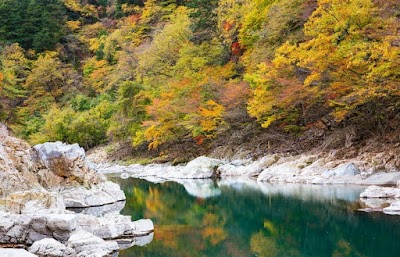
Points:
[(271, 220)]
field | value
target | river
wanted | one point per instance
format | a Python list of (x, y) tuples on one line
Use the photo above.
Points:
[(234, 218)]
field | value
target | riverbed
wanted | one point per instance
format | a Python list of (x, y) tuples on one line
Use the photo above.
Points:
[(246, 218)]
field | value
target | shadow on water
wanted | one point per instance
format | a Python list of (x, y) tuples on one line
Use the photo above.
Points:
[(244, 218)]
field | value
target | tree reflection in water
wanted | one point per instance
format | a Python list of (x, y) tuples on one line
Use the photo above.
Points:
[(247, 219)]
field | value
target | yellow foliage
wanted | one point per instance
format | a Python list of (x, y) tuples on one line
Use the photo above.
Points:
[(73, 25), (342, 61), (160, 133), (211, 116)]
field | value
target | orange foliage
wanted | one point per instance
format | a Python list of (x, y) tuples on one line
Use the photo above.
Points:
[(199, 139), (133, 19), (228, 25), (234, 94)]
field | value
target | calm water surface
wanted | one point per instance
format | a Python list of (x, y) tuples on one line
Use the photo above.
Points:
[(236, 218)]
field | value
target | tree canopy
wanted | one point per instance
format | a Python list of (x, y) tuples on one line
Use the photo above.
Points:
[(157, 72)]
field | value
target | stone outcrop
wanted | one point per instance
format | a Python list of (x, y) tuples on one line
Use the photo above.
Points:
[(304, 169), (378, 198), (247, 168), (66, 161), (38, 184)]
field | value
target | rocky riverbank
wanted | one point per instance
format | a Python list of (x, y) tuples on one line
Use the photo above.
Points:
[(39, 188), (304, 169)]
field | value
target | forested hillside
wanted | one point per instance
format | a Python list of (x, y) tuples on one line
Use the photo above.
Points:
[(157, 73)]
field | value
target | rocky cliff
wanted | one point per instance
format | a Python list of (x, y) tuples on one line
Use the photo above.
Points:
[(37, 186)]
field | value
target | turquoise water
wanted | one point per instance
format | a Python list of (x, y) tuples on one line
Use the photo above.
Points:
[(247, 219)]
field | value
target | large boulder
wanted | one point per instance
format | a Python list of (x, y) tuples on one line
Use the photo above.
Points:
[(199, 168), (67, 161), (49, 247), (13, 228), (347, 169)]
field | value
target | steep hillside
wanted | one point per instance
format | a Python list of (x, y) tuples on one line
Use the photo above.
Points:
[(173, 79)]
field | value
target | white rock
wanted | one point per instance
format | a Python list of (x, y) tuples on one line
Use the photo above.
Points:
[(393, 209), (279, 173), (124, 175), (380, 192), (13, 228), (237, 163), (85, 244), (347, 169), (383, 178), (100, 194), (249, 170), (201, 167), (50, 150), (5, 252), (32, 201), (49, 247)]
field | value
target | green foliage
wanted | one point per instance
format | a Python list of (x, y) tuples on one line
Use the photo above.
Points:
[(14, 69), (163, 52), (157, 72), (130, 106), (85, 127), (34, 24)]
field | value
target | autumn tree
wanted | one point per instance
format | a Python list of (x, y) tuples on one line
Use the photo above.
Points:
[(348, 60), (14, 69), (48, 81), (163, 52)]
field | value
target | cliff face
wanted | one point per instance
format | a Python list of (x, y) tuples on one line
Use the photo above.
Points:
[(38, 184), (16, 165), (48, 171)]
